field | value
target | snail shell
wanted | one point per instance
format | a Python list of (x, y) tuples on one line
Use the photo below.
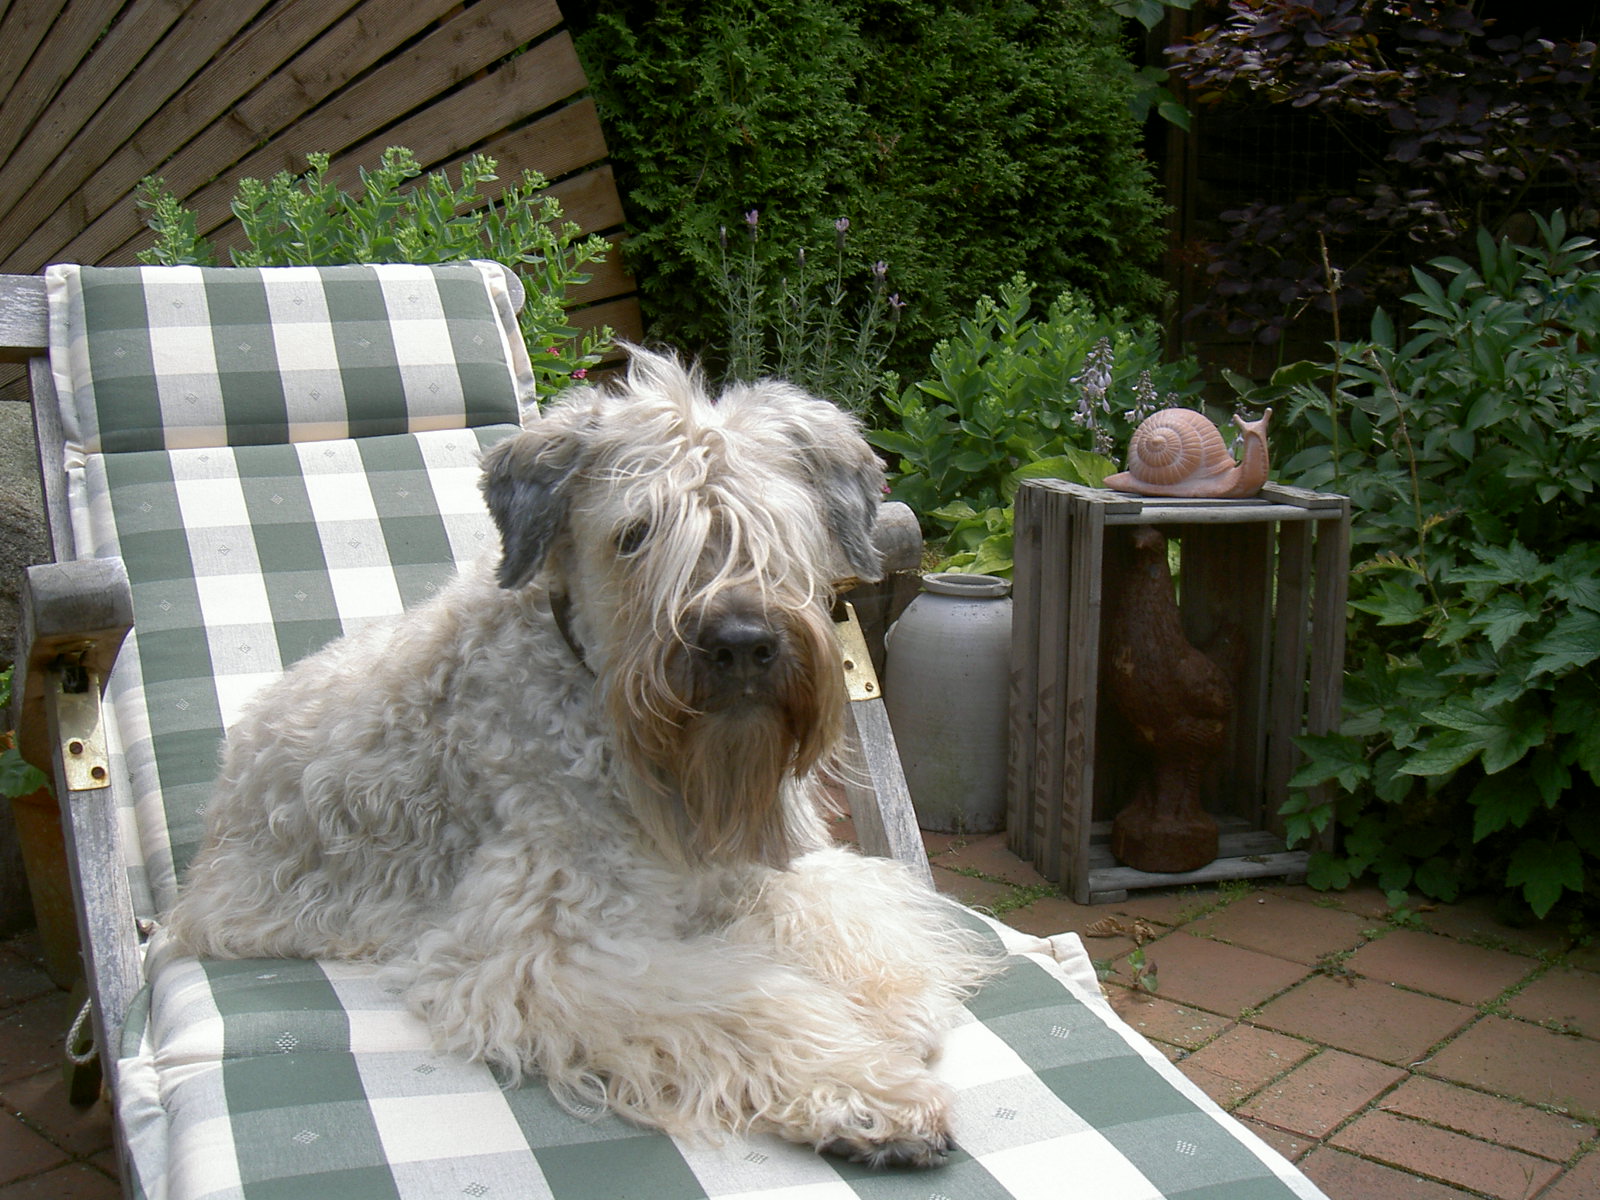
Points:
[(1178, 452)]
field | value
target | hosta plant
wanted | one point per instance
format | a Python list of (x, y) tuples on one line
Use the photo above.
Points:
[(1469, 443)]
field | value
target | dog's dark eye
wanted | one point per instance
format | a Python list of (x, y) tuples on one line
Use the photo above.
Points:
[(632, 537)]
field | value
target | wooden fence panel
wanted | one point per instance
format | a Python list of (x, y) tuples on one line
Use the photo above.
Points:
[(98, 94)]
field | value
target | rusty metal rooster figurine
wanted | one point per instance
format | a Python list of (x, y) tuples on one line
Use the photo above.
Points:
[(1177, 701)]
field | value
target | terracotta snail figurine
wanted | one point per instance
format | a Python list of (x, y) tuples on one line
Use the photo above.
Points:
[(1178, 452)]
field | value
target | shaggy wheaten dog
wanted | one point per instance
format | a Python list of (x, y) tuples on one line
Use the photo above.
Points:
[(575, 797)]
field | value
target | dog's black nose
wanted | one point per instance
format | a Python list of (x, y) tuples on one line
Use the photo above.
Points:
[(741, 645)]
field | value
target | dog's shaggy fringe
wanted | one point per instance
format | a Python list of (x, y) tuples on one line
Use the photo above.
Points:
[(594, 852)]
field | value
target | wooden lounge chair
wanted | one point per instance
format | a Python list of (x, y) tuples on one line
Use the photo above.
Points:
[(240, 465)]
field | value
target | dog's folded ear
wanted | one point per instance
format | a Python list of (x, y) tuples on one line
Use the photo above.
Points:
[(527, 487), (849, 479), (852, 499)]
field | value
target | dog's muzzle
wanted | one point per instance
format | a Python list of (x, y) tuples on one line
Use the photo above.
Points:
[(737, 655)]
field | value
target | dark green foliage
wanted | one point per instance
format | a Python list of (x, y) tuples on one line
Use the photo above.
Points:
[(965, 142), (1456, 123), (1470, 447)]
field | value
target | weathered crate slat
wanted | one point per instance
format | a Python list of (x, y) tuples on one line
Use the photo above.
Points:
[(1272, 568), (97, 94)]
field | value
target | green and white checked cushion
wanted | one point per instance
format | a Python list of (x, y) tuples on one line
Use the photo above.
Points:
[(294, 1079), (243, 560), (149, 358)]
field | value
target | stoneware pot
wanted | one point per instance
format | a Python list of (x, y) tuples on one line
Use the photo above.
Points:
[(947, 685)]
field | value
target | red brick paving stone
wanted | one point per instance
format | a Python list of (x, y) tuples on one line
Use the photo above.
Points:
[(1170, 906), (32, 1034), (42, 1101), (1345, 1177), (1224, 1091), (74, 1182), (1585, 958), (1489, 1117), (1319, 1094), (1582, 1182), (21, 979), (1291, 1146), (24, 1152), (1215, 976), (1420, 1149), (1363, 1017), (977, 893), (1056, 914), (1440, 966), (1162, 1021), (1364, 901), (939, 844), (1511, 1057), (1474, 920), (1569, 998), (1284, 928), (988, 856), (1242, 1061)]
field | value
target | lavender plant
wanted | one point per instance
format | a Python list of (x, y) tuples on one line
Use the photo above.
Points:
[(805, 329)]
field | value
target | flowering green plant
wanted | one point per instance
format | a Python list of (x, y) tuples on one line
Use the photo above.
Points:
[(803, 329), (1015, 397)]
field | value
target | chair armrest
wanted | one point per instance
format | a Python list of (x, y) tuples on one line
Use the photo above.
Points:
[(75, 616)]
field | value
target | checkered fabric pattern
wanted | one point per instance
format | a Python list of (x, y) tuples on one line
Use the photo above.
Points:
[(152, 358), (292, 1079), (243, 560), (288, 1079)]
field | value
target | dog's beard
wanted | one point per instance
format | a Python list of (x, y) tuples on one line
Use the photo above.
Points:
[(710, 777)]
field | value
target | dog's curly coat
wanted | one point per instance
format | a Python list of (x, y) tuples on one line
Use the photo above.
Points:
[(575, 797)]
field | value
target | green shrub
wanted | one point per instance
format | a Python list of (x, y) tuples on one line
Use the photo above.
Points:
[(1469, 444), (307, 220), (1016, 397), (964, 141)]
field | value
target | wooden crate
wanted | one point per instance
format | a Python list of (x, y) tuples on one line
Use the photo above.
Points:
[(1276, 566)]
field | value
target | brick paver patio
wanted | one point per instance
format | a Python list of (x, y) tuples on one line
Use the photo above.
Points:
[(1425, 1055)]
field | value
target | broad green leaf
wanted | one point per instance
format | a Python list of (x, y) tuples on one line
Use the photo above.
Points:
[(1397, 602), (1331, 757), (1092, 468), (1327, 872), (1574, 642), (1504, 617), (1543, 870), (1444, 754), (1438, 878), (993, 557), (1577, 577), (17, 776), (1500, 801), (1504, 734)]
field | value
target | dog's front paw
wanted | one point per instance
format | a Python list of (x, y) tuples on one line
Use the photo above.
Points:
[(900, 1150), (904, 1126)]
